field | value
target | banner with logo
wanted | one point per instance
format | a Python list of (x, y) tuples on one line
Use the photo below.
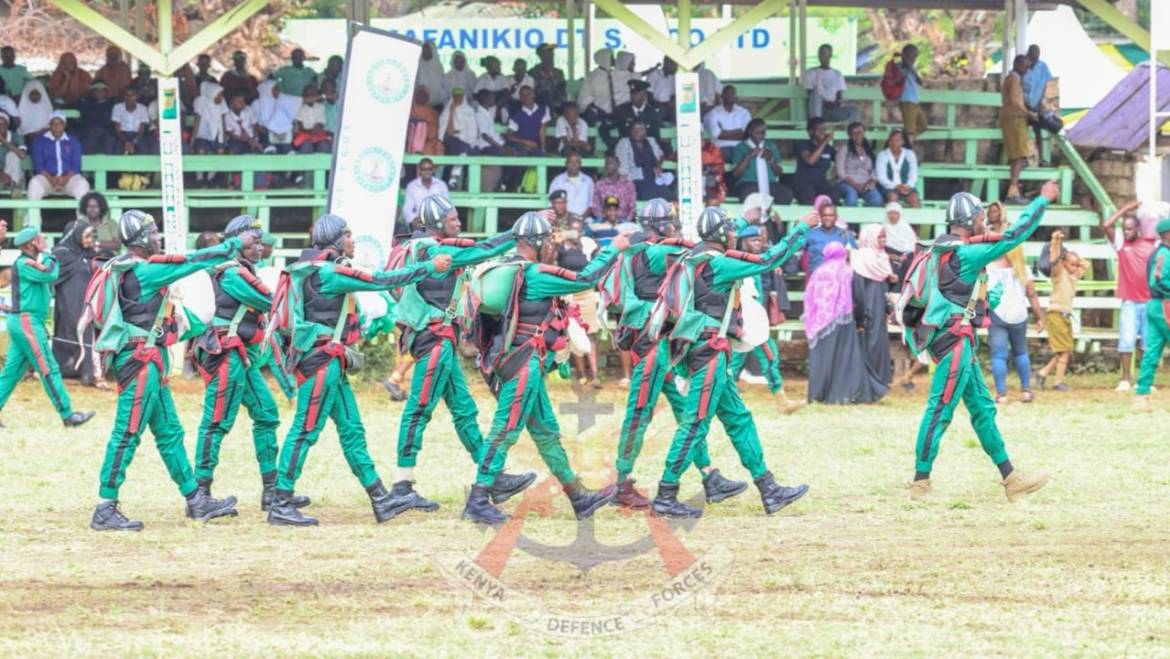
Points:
[(376, 97), (170, 133), (689, 124)]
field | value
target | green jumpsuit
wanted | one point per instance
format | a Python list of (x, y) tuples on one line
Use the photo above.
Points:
[(953, 344), (140, 364), (425, 313), (1157, 317), (32, 288), (706, 360), (518, 374), (228, 357), (327, 325)]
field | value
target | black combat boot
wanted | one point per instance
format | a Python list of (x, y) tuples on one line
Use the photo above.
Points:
[(203, 508), (107, 517), (717, 488), (509, 485), (776, 496), (629, 497), (268, 495), (77, 419), (479, 510), (386, 506), (666, 504), (586, 501), (404, 492), (282, 512)]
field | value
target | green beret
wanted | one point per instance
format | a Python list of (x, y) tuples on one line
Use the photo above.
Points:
[(268, 239), (1163, 226), (26, 236)]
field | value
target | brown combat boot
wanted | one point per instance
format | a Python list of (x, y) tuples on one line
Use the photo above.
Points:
[(628, 497), (919, 490), (1016, 486)]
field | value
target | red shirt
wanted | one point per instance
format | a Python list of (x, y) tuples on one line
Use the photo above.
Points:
[(1132, 260)]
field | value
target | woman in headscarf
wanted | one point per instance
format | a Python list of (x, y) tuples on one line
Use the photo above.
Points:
[(69, 82), (871, 284), (837, 370), (460, 75), (275, 117), (422, 114), (74, 254), (207, 135), (430, 75), (35, 110), (1008, 333)]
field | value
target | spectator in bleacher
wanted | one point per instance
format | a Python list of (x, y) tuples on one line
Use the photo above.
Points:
[(900, 236), (825, 234), (94, 127), (203, 70), (518, 79), (460, 75), (714, 183), (237, 79), (14, 75), (757, 165), (207, 129), (68, 83), (74, 253), (604, 228), (572, 132), (188, 87), (825, 86), (430, 75), (8, 106), (93, 209), (872, 279), (614, 184), (294, 77), (310, 135), (12, 154), (493, 80), (603, 89), (897, 171), (116, 73), (490, 141), (1009, 320), (56, 158), (1067, 270), (913, 118), (419, 188), (275, 113), (422, 113), (709, 88), (727, 122), (1013, 121), (638, 109), (329, 98), (641, 160), (1133, 289), (1035, 80), (147, 85), (334, 67), (661, 79), (525, 136), (856, 178), (576, 184), (547, 80), (815, 158), (457, 125), (35, 110), (131, 123), (239, 126), (558, 201)]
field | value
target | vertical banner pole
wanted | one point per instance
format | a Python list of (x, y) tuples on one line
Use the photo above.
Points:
[(689, 131), (170, 129)]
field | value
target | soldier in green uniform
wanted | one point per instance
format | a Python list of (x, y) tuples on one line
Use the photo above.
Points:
[(517, 350), (325, 327), (33, 274), (136, 333), (700, 347), (425, 315), (639, 277), (946, 327), (228, 357), (1157, 316)]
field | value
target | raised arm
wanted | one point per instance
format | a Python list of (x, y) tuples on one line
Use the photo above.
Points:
[(545, 281), (730, 270), (165, 269), (40, 272), (976, 256), (1110, 224), (464, 252), (341, 279)]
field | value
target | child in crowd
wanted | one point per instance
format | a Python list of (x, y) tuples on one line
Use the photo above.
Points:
[(239, 125), (310, 134), (604, 228), (573, 132), (1067, 270)]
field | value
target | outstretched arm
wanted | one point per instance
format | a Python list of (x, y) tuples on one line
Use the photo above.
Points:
[(545, 281), (165, 269), (727, 271), (247, 288), (464, 252), (977, 256), (341, 279)]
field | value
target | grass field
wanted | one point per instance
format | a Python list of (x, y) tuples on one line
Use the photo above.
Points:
[(1081, 568)]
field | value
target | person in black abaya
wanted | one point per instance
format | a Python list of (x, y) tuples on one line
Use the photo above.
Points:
[(871, 284), (74, 253)]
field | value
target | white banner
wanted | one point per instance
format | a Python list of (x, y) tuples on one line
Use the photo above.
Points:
[(170, 133), (376, 97), (690, 151)]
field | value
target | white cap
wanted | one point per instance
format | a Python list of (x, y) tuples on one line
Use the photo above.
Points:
[(894, 206)]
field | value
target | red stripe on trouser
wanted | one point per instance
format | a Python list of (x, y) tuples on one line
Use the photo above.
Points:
[(953, 375), (221, 391), (136, 412), (767, 350), (518, 398), (644, 385), (315, 400), (705, 397), (1166, 311), (26, 325), (425, 395)]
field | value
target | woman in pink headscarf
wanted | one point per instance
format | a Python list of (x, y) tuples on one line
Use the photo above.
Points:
[(871, 283), (838, 372)]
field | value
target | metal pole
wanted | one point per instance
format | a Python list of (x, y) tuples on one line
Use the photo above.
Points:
[(684, 23), (1021, 26), (139, 18), (166, 35), (1005, 53), (803, 36), (792, 42), (589, 11), (571, 44)]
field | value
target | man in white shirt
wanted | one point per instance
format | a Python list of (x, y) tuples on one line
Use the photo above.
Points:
[(457, 125), (132, 123), (825, 85), (418, 189), (606, 87), (239, 125), (661, 81), (576, 185), (488, 139), (726, 122)]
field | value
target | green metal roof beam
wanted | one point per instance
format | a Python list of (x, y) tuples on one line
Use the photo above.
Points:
[(213, 32), (113, 32), (616, 9), (1120, 22), (729, 32)]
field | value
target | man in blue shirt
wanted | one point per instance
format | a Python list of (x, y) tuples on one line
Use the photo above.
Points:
[(56, 158), (819, 237), (913, 118), (1034, 82)]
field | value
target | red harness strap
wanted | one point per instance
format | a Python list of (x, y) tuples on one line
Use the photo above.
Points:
[(965, 332), (719, 345), (147, 354), (447, 334)]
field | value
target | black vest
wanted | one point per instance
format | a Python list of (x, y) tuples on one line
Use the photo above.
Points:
[(140, 314), (226, 307), (320, 308)]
